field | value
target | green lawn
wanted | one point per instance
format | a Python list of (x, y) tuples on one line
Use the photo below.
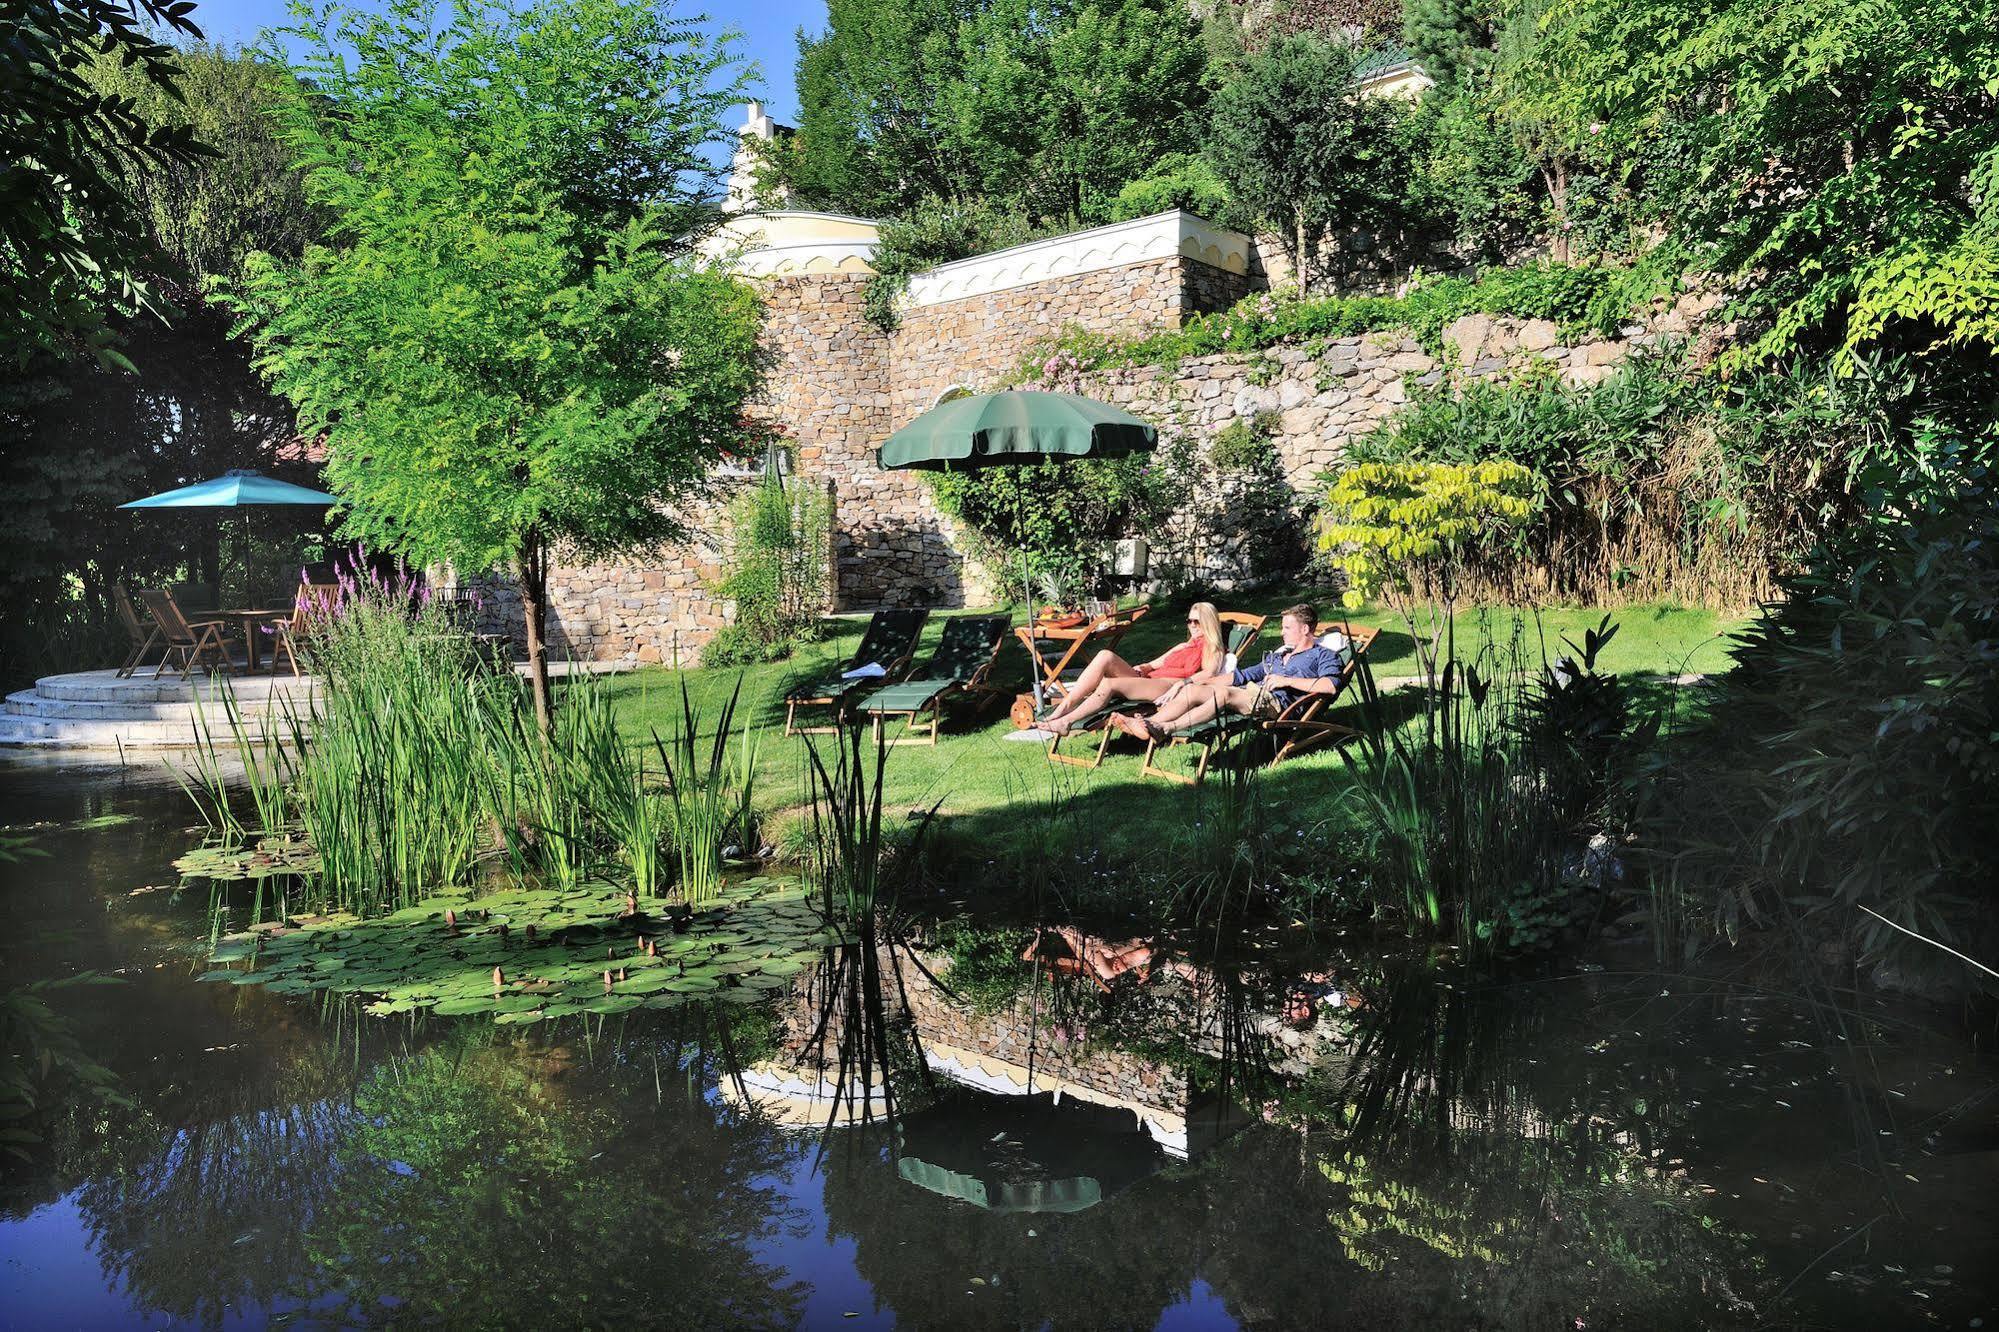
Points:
[(1005, 810)]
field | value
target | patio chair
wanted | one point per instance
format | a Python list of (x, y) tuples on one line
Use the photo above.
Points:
[(890, 642), (1240, 629), (961, 664), (314, 601), (196, 644), (1296, 729), (144, 637)]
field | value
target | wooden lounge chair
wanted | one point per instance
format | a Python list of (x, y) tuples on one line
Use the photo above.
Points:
[(1241, 629), (890, 642), (314, 601), (144, 637), (195, 644), (1077, 646), (1297, 729), (961, 664)]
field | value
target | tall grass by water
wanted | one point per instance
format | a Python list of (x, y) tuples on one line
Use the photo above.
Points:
[(418, 764)]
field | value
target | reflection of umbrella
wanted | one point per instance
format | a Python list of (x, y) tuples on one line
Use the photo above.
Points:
[(1017, 426), (1024, 1153), (231, 490)]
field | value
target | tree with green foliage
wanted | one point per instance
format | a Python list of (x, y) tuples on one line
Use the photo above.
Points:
[(505, 339), (1044, 108), (1296, 142), (207, 215), (1446, 37), (1836, 162), (73, 247)]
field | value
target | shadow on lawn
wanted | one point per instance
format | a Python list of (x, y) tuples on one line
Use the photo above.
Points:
[(1110, 841)]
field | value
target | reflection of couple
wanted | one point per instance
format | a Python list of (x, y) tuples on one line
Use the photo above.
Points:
[(1190, 686)]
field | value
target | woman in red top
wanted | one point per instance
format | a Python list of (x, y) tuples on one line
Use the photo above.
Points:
[(1109, 676)]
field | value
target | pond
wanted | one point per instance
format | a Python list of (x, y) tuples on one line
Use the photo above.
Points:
[(1107, 1132)]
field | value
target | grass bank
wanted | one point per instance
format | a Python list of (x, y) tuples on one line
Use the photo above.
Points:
[(1007, 814)]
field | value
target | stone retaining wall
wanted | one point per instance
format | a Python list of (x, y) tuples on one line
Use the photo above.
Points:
[(841, 385)]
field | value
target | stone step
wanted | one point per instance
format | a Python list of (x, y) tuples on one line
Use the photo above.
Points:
[(128, 736), (214, 712), (97, 710), (143, 687)]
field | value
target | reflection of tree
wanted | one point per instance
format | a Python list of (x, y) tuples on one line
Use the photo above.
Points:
[(481, 1188), (213, 1220)]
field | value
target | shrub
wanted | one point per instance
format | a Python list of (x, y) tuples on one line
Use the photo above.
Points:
[(1658, 485), (1847, 760), (935, 231), (1178, 180), (1057, 514), (1406, 530), (1578, 297), (777, 572)]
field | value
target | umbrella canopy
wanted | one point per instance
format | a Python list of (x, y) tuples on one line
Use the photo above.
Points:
[(1014, 427), (233, 490)]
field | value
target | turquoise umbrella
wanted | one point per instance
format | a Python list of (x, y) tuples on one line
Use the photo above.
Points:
[(232, 490), (237, 489)]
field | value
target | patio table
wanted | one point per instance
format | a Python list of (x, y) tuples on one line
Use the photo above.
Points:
[(250, 619), (1052, 650)]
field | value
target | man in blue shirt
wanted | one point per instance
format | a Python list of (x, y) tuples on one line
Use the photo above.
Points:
[(1299, 667)]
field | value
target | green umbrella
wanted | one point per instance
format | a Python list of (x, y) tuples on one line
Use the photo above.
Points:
[(1017, 426)]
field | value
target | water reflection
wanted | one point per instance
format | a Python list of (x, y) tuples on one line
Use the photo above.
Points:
[(1028, 1121)]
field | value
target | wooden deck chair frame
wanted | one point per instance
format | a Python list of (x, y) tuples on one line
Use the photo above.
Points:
[(312, 601), (894, 671), (194, 641), (1100, 635), (1296, 729), (144, 638), (1241, 628), (917, 732)]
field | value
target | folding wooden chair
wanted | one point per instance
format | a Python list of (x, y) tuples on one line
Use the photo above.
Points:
[(314, 602), (1296, 729), (890, 642), (144, 637), (194, 643), (964, 658), (1240, 629)]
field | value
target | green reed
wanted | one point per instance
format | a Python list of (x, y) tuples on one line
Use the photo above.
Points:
[(392, 783), (710, 791)]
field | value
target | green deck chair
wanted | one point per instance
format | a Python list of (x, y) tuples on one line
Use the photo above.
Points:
[(1241, 628), (1296, 729), (890, 640), (963, 660)]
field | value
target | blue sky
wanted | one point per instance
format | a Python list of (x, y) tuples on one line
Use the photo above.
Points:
[(767, 26)]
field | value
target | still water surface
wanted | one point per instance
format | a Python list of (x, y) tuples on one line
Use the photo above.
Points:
[(1272, 1140)]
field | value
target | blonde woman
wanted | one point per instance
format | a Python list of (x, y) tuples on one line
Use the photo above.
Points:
[(1109, 677)]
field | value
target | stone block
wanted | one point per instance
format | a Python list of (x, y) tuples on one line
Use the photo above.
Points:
[(1468, 334), (1604, 353), (1538, 335)]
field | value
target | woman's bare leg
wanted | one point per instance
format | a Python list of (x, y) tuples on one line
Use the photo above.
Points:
[(1106, 665), (1143, 687)]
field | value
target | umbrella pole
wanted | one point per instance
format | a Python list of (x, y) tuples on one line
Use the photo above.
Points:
[(1034, 658)]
